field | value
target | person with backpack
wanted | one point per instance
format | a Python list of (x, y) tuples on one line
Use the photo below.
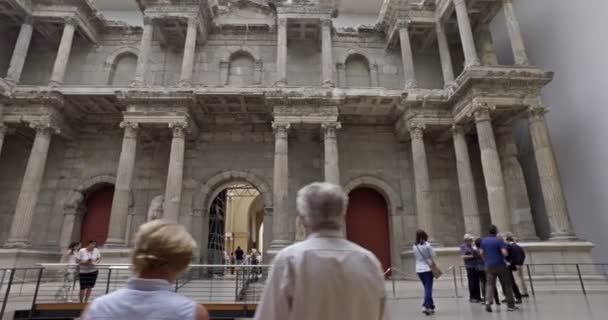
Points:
[(516, 259)]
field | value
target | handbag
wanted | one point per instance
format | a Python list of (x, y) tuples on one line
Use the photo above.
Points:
[(437, 273)]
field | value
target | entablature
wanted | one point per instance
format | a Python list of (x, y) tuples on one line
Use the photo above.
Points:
[(51, 15)]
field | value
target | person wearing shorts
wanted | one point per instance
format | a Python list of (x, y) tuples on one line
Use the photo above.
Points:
[(88, 258)]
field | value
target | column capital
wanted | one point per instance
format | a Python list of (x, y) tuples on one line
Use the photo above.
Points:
[(281, 129), (282, 22), (403, 25), (459, 130), (179, 129), (28, 20), (147, 20), (131, 129), (330, 128), (458, 2), (72, 21), (417, 131), (193, 20), (481, 111), (44, 127), (537, 113), (326, 23)]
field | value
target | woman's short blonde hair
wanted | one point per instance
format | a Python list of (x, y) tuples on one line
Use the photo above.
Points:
[(162, 244)]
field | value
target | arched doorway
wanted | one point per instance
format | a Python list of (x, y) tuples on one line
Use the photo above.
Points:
[(235, 219), (96, 220), (367, 223)]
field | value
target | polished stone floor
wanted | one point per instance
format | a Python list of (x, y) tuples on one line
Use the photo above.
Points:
[(546, 306)]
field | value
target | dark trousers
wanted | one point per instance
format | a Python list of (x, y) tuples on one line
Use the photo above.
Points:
[(474, 289), (483, 282), (427, 283), (502, 273), (511, 279)]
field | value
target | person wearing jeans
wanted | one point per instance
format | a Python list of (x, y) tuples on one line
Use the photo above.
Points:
[(424, 254)]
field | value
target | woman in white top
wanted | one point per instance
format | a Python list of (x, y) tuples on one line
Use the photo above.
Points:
[(69, 258), (163, 250), (88, 258), (424, 254)]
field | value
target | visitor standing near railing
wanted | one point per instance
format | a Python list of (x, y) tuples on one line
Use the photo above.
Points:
[(494, 252), (69, 257), (325, 276), (87, 259), (425, 257), (467, 252), (163, 250)]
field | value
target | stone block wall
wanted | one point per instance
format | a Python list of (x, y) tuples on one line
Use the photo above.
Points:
[(15, 153)]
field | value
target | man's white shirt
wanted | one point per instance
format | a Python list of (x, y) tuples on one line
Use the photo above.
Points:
[(324, 277)]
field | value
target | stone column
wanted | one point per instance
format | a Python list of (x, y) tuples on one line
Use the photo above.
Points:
[(424, 205), (444, 55), (20, 52), (189, 52), (144, 52), (517, 40), (332, 163), (515, 185), (63, 54), (173, 191), (373, 73), (258, 72), (407, 56), (341, 75), (550, 181), (3, 131), (326, 54), (466, 183), (282, 51), (30, 188), (466, 33), (492, 171), (67, 228), (280, 219), (485, 46), (122, 191)]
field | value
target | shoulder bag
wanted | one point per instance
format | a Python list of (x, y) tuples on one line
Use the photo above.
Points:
[(434, 268)]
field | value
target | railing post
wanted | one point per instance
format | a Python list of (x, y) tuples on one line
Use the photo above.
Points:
[(7, 293), (236, 285), (461, 278), (108, 280), (394, 291), (455, 283), (530, 278), (580, 278), (39, 278)]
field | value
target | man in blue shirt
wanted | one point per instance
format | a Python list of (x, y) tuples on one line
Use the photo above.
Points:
[(494, 251)]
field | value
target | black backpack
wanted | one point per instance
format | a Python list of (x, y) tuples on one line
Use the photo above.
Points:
[(518, 255)]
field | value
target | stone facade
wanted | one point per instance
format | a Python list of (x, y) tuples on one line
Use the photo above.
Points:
[(211, 93)]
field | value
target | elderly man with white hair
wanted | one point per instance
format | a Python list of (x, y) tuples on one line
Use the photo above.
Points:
[(324, 276)]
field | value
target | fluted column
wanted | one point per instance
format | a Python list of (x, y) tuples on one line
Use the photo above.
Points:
[(517, 40), (492, 171), (550, 181), (466, 183), (407, 57), (3, 131), (444, 54), (424, 205), (173, 191), (189, 52), (515, 185), (280, 219), (326, 54), (332, 163), (122, 191), (282, 51), (63, 54), (30, 188), (20, 52), (466, 33), (67, 227), (144, 52)]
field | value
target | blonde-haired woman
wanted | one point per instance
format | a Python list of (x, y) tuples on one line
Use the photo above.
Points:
[(162, 251)]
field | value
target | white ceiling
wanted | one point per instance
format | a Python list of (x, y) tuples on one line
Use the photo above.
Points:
[(346, 6)]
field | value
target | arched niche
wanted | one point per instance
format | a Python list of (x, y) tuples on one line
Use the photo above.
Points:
[(120, 66)]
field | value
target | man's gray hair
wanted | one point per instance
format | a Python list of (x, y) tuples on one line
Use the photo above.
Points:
[(322, 205)]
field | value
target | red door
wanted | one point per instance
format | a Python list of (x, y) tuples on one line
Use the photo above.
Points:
[(367, 223), (96, 220)]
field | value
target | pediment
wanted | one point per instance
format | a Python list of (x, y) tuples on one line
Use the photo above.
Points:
[(250, 12)]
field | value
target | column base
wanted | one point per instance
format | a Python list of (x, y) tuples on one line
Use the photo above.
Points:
[(563, 237), (184, 83), (328, 84), (137, 83), (281, 83), (475, 63), (16, 244), (10, 81), (55, 83)]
